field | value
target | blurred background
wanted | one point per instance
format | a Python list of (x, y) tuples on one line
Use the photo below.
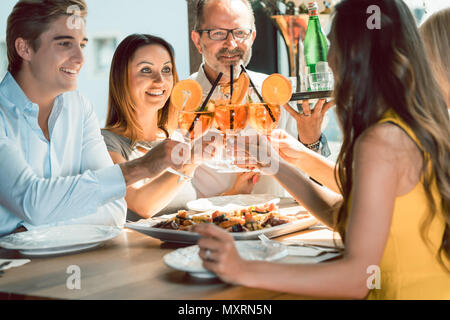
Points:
[(111, 21)]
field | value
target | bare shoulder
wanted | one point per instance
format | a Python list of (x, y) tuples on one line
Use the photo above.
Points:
[(386, 141), (387, 149)]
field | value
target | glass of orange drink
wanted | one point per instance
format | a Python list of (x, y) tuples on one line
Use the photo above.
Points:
[(230, 118), (195, 116), (262, 116), (265, 108), (195, 113), (194, 124)]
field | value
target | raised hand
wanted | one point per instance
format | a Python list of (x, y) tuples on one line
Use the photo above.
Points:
[(309, 123), (289, 148), (167, 154), (204, 148), (254, 151), (244, 184)]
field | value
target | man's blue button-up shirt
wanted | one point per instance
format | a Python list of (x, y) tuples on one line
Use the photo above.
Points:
[(67, 179)]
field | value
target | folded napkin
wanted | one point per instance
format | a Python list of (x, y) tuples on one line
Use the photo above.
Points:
[(6, 264)]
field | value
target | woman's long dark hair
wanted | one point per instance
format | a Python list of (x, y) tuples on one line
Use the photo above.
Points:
[(121, 117), (381, 69)]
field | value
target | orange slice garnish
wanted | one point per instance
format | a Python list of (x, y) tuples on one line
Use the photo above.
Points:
[(240, 88), (187, 95), (276, 89)]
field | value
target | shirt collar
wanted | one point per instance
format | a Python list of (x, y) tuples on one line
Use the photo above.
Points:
[(202, 79), (11, 90)]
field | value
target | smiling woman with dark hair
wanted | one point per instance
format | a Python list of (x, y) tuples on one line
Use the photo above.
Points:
[(140, 115), (393, 209)]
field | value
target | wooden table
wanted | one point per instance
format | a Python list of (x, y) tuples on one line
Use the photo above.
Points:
[(128, 267)]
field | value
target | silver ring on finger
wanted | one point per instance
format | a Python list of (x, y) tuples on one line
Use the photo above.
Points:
[(208, 254), (306, 115)]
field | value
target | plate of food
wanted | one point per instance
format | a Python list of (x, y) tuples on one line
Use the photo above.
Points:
[(244, 223), (230, 202), (59, 239), (188, 260)]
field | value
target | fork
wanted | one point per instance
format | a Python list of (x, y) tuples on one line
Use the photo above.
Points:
[(269, 243)]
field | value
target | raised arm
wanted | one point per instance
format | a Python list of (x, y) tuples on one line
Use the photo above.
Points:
[(313, 164), (39, 201), (321, 202), (149, 198), (378, 170)]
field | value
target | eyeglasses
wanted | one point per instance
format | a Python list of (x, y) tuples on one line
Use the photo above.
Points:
[(222, 34)]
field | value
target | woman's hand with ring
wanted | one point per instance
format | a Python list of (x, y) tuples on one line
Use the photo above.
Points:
[(219, 254)]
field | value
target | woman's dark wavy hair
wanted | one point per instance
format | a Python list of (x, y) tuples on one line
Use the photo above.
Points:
[(381, 69), (121, 116)]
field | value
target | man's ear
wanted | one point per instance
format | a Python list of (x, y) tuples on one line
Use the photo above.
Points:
[(23, 49), (253, 36), (195, 36)]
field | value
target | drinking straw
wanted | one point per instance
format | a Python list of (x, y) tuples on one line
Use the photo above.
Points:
[(231, 81), (203, 107), (258, 94), (231, 96)]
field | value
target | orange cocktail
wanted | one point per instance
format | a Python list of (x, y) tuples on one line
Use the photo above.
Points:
[(194, 117), (231, 108), (264, 117), (231, 118), (194, 124)]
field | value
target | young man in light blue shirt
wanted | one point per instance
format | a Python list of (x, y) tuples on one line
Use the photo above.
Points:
[(55, 168)]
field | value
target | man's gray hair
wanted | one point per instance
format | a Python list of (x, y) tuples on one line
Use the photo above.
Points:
[(200, 18)]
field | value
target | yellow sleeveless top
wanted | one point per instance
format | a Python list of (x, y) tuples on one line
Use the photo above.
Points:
[(409, 268)]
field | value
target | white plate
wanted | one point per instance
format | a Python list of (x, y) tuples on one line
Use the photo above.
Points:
[(59, 240), (61, 250), (188, 260), (230, 202)]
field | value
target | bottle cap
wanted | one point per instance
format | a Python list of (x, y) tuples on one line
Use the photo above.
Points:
[(313, 8)]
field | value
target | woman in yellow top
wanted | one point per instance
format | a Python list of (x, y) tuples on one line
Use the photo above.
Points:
[(393, 173)]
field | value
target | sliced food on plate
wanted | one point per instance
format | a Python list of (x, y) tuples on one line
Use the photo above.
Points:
[(251, 218)]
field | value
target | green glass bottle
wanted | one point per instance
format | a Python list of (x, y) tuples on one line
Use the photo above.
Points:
[(316, 45)]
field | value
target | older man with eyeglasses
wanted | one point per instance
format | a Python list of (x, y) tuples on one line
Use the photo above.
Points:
[(224, 33)]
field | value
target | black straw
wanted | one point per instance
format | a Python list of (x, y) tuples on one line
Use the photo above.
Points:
[(231, 81), (203, 107), (258, 94), (231, 97)]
